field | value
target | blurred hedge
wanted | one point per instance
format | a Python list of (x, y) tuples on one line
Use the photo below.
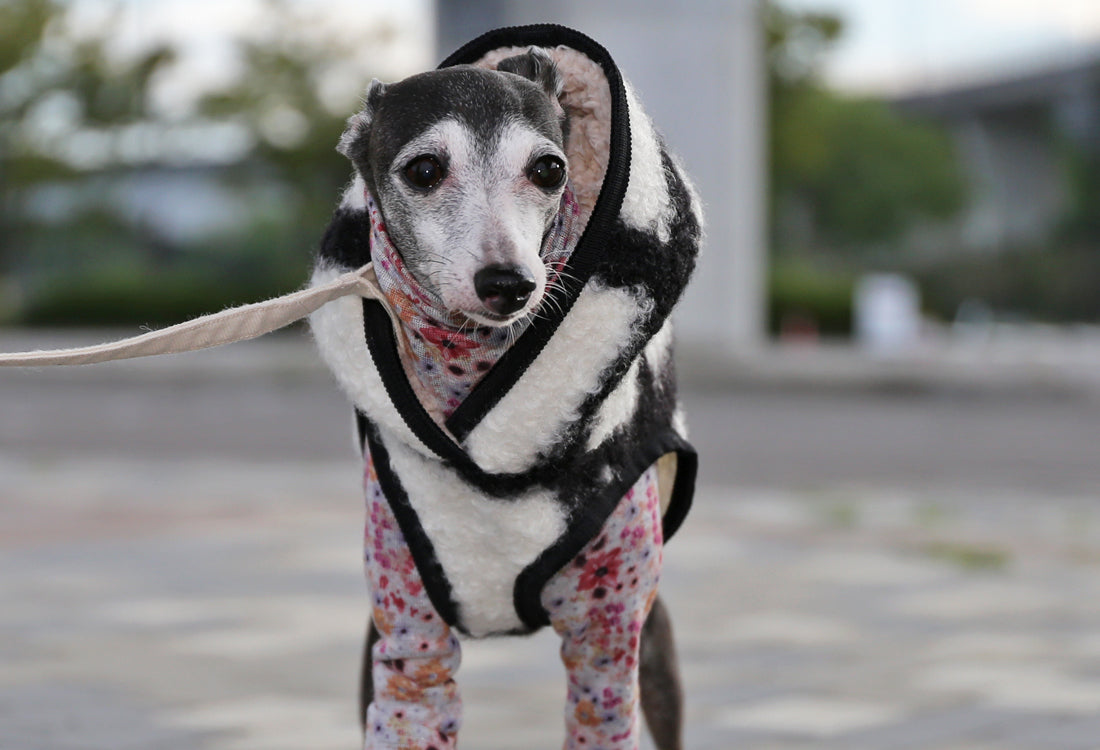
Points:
[(1051, 285), (128, 295), (1055, 285), (802, 294)]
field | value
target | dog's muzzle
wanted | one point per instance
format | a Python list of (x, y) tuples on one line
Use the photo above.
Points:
[(503, 289)]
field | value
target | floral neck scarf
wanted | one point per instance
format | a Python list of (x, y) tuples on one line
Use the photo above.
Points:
[(451, 353)]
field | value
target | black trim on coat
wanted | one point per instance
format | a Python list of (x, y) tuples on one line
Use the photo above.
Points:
[(382, 344), (420, 546), (587, 522), (587, 256), (590, 248), (608, 251)]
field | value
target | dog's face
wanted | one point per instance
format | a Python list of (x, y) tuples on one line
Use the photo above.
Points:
[(468, 167)]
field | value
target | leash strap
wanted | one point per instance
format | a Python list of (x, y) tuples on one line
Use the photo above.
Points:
[(226, 327)]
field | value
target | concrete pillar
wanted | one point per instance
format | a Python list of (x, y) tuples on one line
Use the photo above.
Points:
[(698, 66)]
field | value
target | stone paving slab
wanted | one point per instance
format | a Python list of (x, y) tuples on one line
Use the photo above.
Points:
[(220, 606)]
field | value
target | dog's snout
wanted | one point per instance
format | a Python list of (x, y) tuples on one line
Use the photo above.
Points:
[(503, 289)]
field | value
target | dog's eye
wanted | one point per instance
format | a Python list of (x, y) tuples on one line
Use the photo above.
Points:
[(424, 172), (548, 172)]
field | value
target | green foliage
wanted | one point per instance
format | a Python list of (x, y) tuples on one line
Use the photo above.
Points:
[(796, 43), (1082, 220), (861, 172), (293, 130), (110, 93), (55, 85), (93, 261), (127, 294), (802, 292), (882, 173), (1046, 284), (22, 24), (98, 281)]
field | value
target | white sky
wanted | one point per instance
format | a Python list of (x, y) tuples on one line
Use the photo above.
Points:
[(888, 46), (204, 28), (897, 45), (205, 34)]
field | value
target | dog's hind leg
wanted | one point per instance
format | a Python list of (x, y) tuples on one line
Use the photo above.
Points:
[(366, 677), (662, 696)]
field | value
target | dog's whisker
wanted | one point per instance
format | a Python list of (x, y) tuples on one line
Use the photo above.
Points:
[(551, 300), (568, 276), (555, 294)]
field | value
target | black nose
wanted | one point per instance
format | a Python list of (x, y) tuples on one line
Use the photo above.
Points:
[(503, 289)]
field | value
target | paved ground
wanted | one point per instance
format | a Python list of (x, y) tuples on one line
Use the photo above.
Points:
[(179, 569)]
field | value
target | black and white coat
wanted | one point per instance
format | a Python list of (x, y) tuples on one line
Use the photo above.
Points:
[(510, 488)]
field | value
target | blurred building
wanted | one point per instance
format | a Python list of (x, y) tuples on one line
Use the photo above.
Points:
[(1013, 137), (698, 66)]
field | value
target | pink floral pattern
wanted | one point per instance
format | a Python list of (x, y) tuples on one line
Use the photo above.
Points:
[(598, 604), (416, 702)]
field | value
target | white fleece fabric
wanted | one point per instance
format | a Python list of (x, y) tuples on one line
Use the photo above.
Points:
[(658, 352), (646, 205), (547, 397), (507, 534), (621, 403), (341, 340), (617, 408)]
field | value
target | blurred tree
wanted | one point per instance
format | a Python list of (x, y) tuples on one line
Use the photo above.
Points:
[(845, 172), (1081, 224), (280, 98), (22, 26), (64, 104), (80, 114)]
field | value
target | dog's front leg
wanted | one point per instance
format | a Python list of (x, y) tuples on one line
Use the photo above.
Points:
[(598, 604), (416, 705)]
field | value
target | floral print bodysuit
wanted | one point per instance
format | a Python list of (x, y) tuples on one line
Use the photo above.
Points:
[(597, 604)]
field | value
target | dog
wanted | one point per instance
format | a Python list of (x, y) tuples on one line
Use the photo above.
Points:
[(525, 456)]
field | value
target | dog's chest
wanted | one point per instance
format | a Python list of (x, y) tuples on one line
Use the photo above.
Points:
[(482, 543)]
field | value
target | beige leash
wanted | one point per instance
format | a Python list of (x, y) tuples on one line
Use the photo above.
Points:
[(226, 327)]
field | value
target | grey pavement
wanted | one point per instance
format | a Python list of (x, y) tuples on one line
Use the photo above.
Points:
[(867, 565)]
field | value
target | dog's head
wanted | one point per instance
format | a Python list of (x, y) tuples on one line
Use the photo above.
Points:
[(468, 167)]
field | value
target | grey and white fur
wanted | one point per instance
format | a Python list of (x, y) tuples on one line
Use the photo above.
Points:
[(468, 168)]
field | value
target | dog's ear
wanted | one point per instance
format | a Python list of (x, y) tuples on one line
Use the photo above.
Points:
[(535, 65), (359, 123)]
